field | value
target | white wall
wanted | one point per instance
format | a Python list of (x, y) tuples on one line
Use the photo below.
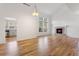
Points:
[(65, 16), (27, 27), (2, 30)]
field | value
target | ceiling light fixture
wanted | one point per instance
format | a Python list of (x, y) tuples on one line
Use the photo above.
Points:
[(35, 12)]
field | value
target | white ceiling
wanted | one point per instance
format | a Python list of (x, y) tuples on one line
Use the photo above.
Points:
[(14, 9), (18, 8), (48, 8), (74, 7)]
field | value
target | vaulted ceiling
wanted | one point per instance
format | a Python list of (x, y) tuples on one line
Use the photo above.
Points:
[(19, 8), (14, 9), (73, 7)]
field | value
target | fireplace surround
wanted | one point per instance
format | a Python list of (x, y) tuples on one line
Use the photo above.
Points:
[(60, 30)]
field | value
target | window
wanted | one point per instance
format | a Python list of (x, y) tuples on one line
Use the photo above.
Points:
[(43, 24), (40, 24)]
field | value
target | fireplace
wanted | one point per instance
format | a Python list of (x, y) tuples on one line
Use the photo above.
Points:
[(60, 30)]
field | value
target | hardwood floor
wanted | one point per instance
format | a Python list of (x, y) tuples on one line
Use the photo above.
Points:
[(2, 49), (43, 46), (10, 38), (28, 47)]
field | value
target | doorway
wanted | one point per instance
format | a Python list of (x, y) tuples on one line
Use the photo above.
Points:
[(10, 30)]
